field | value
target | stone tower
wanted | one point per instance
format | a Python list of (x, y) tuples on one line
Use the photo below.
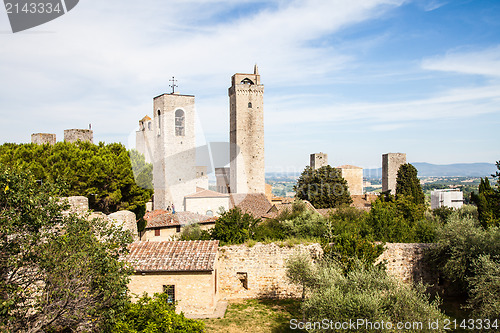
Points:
[(174, 154), (318, 160), (73, 135), (144, 138), (390, 166), (43, 138), (354, 178), (246, 105)]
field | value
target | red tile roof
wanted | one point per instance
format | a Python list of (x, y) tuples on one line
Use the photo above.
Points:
[(255, 204), (163, 218), (173, 256)]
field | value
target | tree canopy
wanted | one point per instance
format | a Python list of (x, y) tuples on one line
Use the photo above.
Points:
[(408, 184), (323, 188), (102, 173), (57, 271)]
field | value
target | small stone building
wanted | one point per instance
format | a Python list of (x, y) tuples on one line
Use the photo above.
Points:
[(186, 270), (163, 225)]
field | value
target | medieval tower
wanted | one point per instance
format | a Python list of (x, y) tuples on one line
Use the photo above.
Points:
[(145, 138), (174, 154), (246, 105), (390, 166)]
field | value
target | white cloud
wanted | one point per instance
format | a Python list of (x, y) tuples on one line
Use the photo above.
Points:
[(485, 62)]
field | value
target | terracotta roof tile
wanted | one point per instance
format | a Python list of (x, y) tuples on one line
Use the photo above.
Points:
[(255, 204), (163, 218), (173, 256)]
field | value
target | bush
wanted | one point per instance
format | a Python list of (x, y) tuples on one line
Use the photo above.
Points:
[(365, 293), (485, 287), (234, 227), (155, 315), (194, 232)]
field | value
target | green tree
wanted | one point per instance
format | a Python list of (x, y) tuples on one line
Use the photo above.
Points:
[(234, 227), (323, 188), (488, 203), (57, 271), (408, 184), (155, 315), (365, 292), (102, 173)]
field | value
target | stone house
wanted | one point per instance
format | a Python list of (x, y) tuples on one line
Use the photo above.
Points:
[(164, 225), (186, 270)]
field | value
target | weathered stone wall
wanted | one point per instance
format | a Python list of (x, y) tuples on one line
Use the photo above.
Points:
[(405, 262), (73, 135), (354, 178), (43, 138), (127, 220), (258, 271)]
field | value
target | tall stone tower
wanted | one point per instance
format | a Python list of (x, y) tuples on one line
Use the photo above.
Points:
[(144, 138), (73, 135), (174, 154), (246, 105), (390, 166), (318, 160)]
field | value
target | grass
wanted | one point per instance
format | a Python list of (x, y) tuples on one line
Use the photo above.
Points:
[(256, 316)]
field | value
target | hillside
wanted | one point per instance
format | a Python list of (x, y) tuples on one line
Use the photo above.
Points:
[(447, 170)]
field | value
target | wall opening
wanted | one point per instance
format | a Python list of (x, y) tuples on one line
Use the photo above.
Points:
[(159, 122), (243, 277), (179, 123), (157, 232), (170, 291), (249, 105)]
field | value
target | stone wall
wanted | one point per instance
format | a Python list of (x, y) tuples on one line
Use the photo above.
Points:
[(43, 138), (405, 262), (73, 135), (258, 271)]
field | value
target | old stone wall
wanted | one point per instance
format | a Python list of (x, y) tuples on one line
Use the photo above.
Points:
[(43, 138), (405, 262), (258, 271), (73, 135)]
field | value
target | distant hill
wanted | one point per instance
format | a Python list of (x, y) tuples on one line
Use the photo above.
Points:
[(448, 170)]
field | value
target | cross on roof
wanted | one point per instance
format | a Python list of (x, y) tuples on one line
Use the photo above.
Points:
[(173, 85)]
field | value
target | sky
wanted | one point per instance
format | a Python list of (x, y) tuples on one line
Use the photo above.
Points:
[(354, 79)]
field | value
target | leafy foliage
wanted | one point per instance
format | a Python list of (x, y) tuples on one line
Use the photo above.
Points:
[(56, 271), (194, 232), (155, 315), (408, 185), (234, 227), (323, 188), (485, 287), (488, 203), (364, 292), (103, 173)]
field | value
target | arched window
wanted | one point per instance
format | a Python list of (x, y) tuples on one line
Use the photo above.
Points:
[(247, 81), (179, 123), (209, 213), (149, 125), (249, 105)]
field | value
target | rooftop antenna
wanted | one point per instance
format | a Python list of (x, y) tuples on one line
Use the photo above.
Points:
[(173, 85), (90, 126)]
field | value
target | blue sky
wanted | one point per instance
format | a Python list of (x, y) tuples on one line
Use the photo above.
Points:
[(354, 79)]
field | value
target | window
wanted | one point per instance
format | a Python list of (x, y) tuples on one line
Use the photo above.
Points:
[(247, 81), (157, 232), (209, 213), (149, 125), (170, 291), (177, 228), (243, 277), (159, 122), (179, 123), (249, 105)]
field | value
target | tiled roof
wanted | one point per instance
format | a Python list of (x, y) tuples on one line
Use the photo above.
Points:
[(173, 256), (163, 218), (347, 166), (278, 208), (146, 118), (255, 204), (207, 194)]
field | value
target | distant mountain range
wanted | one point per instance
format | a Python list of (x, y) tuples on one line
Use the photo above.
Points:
[(448, 170)]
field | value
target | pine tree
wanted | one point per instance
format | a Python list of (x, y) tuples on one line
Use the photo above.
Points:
[(323, 188)]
